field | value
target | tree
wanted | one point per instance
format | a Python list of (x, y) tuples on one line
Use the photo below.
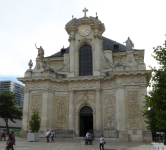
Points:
[(8, 110), (34, 124), (156, 98)]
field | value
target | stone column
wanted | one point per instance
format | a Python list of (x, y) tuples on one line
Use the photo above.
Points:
[(120, 108), (97, 55), (120, 112), (143, 90), (72, 56), (71, 110), (76, 124), (44, 113), (25, 113), (98, 111)]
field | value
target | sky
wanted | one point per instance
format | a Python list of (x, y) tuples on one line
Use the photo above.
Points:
[(26, 22)]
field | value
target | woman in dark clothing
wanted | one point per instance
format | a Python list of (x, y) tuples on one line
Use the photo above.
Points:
[(9, 145)]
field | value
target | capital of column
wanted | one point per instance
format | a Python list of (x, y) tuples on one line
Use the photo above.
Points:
[(71, 91), (71, 38), (97, 35), (97, 90), (119, 87), (26, 91)]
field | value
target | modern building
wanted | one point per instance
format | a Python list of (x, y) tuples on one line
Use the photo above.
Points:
[(17, 88), (95, 84)]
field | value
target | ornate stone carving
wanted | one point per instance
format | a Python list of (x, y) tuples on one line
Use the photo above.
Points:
[(85, 97), (36, 103), (83, 85), (30, 64), (96, 35), (133, 110), (85, 40), (109, 112), (71, 37), (61, 112)]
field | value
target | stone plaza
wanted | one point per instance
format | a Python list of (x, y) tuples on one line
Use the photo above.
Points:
[(75, 144)]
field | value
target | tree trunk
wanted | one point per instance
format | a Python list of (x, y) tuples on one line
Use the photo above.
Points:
[(7, 127)]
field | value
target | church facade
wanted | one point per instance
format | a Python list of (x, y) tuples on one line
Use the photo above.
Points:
[(96, 85)]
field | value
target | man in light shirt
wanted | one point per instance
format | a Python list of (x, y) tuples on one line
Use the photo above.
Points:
[(47, 135)]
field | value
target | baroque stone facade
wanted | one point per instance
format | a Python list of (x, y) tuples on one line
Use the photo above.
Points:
[(102, 75)]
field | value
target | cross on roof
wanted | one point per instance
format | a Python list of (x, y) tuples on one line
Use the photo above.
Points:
[(85, 10)]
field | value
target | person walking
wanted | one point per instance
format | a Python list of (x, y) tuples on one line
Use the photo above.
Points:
[(52, 136), (47, 135), (13, 136), (9, 144), (101, 142)]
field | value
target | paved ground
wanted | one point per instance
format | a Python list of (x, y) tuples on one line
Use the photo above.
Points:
[(75, 144)]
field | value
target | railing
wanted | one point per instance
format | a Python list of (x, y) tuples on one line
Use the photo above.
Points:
[(106, 133)]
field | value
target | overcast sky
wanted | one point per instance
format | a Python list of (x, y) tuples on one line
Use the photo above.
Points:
[(26, 22)]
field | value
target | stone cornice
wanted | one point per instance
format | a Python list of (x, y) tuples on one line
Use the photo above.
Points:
[(71, 30), (127, 73), (86, 78)]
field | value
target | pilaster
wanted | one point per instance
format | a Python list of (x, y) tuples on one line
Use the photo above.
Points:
[(120, 108), (98, 110), (44, 111), (71, 110), (25, 113)]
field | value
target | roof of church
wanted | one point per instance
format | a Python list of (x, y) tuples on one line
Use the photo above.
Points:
[(108, 44)]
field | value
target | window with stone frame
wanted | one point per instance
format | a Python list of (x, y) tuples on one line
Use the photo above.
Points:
[(85, 60)]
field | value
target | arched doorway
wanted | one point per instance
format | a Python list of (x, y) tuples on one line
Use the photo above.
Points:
[(86, 120)]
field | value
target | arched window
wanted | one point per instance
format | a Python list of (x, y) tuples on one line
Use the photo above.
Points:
[(85, 60)]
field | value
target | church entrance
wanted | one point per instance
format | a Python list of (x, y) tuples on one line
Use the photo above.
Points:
[(86, 120)]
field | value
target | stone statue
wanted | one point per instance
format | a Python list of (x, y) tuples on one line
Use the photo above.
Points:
[(40, 54), (30, 64), (129, 44)]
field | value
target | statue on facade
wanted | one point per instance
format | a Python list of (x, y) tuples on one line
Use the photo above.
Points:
[(40, 54), (129, 44), (30, 64)]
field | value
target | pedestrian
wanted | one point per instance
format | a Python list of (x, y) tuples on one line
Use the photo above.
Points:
[(14, 140), (47, 135), (4, 136), (9, 144), (101, 142), (52, 136)]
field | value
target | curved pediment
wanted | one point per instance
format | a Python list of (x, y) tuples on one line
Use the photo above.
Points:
[(84, 20)]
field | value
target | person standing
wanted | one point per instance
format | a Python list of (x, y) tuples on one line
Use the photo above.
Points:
[(52, 136), (47, 135), (13, 136), (9, 144), (101, 142)]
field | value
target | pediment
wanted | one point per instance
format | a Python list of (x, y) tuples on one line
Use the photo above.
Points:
[(81, 21)]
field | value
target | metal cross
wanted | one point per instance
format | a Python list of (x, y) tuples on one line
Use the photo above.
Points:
[(85, 10)]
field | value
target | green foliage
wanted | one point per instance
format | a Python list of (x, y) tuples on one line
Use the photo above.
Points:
[(156, 98), (34, 124), (8, 110)]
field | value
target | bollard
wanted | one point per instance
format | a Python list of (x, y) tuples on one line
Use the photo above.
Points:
[(83, 143), (163, 148)]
